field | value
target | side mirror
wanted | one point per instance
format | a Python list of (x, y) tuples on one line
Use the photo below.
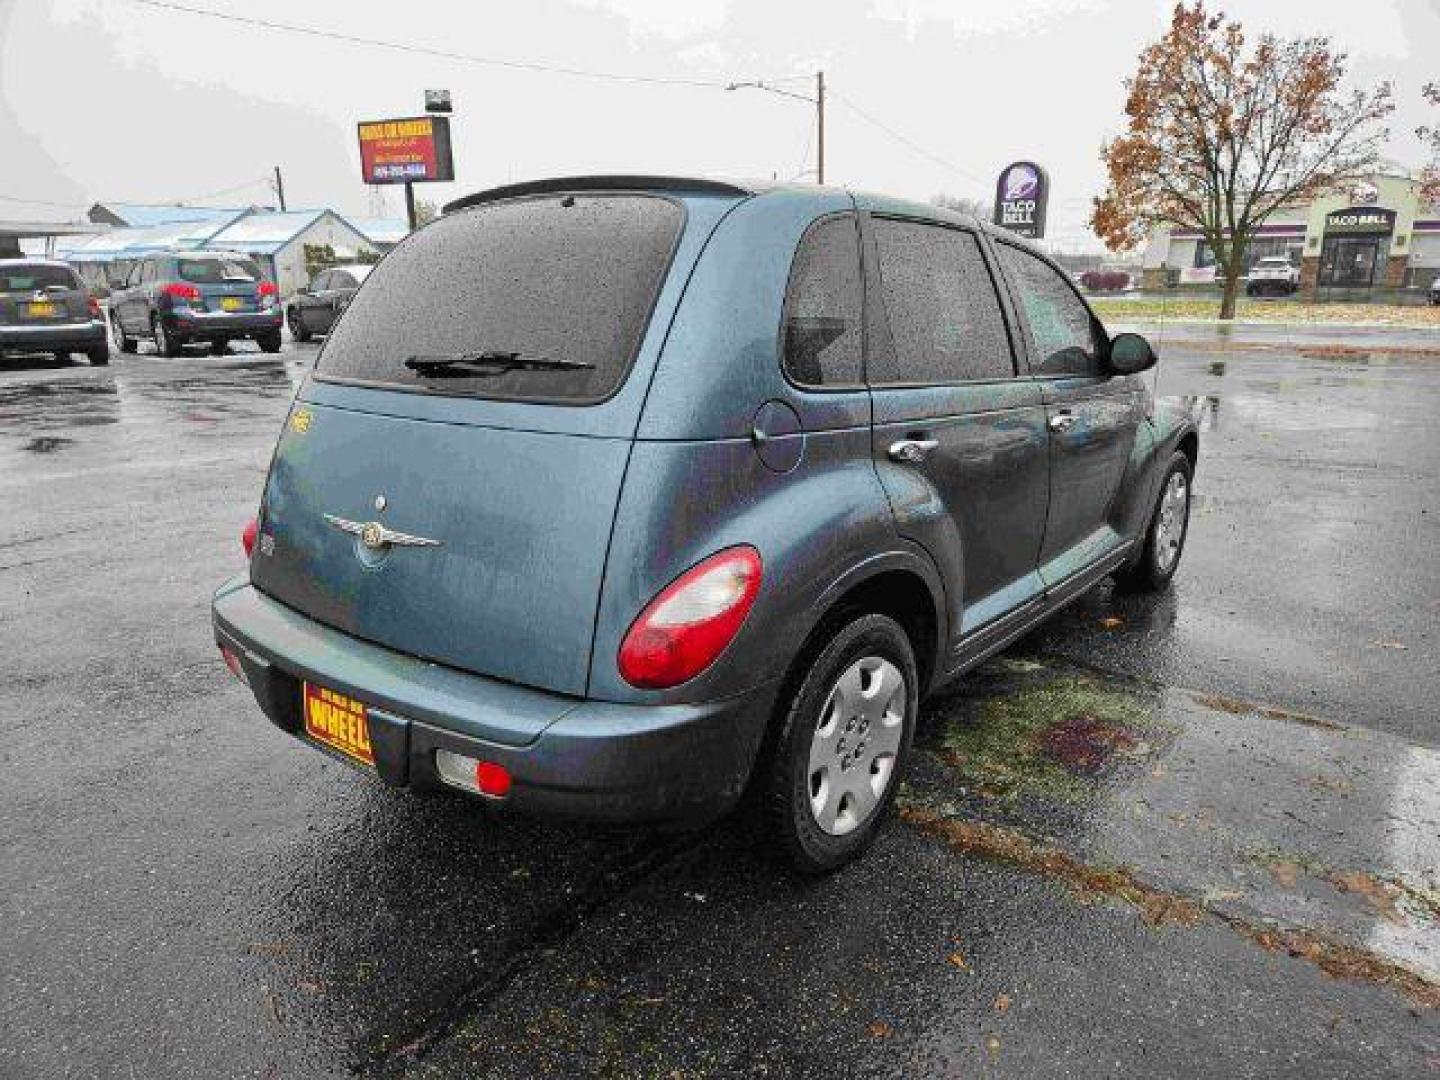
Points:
[(1130, 354)]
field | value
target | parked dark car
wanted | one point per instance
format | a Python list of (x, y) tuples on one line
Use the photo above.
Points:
[(45, 308), (212, 297), (1435, 291), (611, 497), (314, 309)]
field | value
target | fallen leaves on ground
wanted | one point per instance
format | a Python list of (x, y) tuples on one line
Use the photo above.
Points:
[(1002, 1003), (1285, 872), (879, 1029), (1380, 895), (957, 959)]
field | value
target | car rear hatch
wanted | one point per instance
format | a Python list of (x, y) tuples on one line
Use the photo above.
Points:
[(226, 284), (530, 327), (40, 294)]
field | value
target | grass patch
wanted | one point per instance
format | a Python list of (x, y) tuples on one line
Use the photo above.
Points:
[(1053, 740), (1284, 311)]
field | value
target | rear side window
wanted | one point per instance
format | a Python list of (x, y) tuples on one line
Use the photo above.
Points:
[(216, 271), (564, 283), (32, 278), (944, 312), (1062, 332), (822, 306)]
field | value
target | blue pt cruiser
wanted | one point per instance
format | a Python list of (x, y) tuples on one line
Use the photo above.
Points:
[(611, 497)]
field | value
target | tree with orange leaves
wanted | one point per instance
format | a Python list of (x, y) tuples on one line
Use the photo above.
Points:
[(1220, 135)]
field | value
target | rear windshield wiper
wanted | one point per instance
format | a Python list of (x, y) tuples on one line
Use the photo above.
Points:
[(489, 362)]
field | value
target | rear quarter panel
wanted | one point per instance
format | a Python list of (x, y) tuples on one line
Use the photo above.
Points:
[(696, 484)]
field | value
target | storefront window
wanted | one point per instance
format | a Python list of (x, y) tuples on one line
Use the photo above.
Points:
[(1262, 247)]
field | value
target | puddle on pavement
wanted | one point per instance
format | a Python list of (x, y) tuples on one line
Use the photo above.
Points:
[(47, 444), (1299, 832)]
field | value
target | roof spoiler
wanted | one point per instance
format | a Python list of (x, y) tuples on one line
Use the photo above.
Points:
[(599, 183)]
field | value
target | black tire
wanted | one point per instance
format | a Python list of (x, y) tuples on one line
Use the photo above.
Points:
[(789, 782), (220, 348), (270, 341), (298, 329), (99, 356), (166, 343), (1150, 570), (124, 343)]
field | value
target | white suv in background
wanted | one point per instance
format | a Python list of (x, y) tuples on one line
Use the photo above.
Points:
[(1274, 273)]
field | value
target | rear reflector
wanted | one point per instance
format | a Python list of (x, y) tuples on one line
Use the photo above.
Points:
[(481, 777), (247, 537), (232, 661)]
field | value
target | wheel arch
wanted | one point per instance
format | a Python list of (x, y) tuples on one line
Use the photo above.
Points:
[(899, 584)]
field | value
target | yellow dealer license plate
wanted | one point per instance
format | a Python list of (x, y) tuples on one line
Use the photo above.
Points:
[(339, 722), (231, 303), (40, 310)]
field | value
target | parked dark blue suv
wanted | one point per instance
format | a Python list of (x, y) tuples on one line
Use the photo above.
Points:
[(612, 496), (211, 297)]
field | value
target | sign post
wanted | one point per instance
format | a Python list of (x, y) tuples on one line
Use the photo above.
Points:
[(1021, 194)]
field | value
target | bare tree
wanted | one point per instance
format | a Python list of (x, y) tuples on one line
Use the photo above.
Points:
[(1221, 135), (977, 208)]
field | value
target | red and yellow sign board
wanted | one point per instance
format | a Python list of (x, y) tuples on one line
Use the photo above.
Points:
[(412, 150), (339, 722)]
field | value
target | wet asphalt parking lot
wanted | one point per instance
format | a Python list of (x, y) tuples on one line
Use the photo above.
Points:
[(1193, 834)]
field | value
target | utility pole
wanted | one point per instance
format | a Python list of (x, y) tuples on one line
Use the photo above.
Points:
[(279, 188), (410, 204), (820, 127)]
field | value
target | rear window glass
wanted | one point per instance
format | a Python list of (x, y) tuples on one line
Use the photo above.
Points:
[(563, 283), (30, 278), (216, 271)]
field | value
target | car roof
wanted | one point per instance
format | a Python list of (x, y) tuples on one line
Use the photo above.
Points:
[(25, 260), (364, 267)]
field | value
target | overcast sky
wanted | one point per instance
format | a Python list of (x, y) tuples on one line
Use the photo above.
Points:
[(109, 99)]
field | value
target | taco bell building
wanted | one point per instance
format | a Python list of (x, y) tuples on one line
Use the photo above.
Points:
[(1375, 235)]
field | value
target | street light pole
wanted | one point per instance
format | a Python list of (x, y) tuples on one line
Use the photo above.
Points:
[(818, 101)]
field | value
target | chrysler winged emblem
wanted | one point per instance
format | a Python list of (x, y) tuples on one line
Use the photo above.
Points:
[(376, 537)]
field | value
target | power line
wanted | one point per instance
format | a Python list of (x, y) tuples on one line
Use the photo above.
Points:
[(43, 202), (422, 50), (912, 144)]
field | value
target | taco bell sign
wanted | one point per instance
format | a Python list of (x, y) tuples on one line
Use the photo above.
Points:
[(1020, 197)]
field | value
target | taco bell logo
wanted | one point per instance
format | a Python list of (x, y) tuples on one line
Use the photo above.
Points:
[(1021, 182), (1021, 193)]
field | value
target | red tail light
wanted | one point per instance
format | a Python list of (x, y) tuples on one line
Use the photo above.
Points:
[(180, 291), (247, 537), (682, 631), (94, 306), (267, 288)]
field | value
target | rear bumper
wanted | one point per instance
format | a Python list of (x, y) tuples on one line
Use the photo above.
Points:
[(66, 337), (567, 757), (189, 323)]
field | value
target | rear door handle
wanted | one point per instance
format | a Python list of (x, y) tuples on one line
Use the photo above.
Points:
[(1062, 421), (912, 451)]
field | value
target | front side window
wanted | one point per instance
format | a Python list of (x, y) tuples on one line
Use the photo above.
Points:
[(1061, 329), (539, 299), (944, 313), (822, 306)]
